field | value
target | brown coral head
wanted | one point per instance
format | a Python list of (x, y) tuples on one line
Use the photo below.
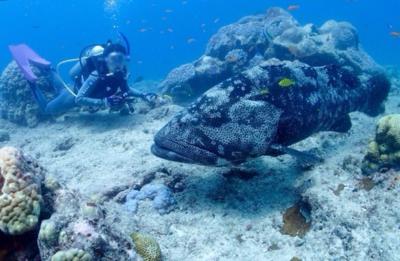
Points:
[(295, 220)]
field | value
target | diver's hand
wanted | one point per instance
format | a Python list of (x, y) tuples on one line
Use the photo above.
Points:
[(114, 101), (150, 98)]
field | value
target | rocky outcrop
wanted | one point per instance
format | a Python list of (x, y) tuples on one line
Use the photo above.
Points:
[(71, 227), (384, 150), (79, 228), (17, 103), (20, 192), (255, 39)]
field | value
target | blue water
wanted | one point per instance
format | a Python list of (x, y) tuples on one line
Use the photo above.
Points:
[(159, 30)]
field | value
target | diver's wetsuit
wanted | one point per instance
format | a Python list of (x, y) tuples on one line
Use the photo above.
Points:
[(90, 92), (96, 88), (62, 103)]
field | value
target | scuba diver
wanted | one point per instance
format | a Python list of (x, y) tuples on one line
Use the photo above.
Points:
[(100, 78)]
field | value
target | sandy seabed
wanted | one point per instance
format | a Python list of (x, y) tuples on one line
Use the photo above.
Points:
[(220, 216)]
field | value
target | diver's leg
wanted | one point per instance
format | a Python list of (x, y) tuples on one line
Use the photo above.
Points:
[(61, 104), (39, 97), (57, 83)]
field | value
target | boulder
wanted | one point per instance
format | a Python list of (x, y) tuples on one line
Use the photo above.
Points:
[(255, 39)]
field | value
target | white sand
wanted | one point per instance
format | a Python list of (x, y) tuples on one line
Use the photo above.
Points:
[(227, 219)]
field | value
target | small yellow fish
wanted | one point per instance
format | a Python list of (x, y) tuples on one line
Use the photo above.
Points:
[(286, 82), (264, 91)]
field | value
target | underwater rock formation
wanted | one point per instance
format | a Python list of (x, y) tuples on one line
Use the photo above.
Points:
[(75, 229), (163, 199), (20, 192), (17, 103), (78, 229), (71, 255), (384, 150), (255, 39)]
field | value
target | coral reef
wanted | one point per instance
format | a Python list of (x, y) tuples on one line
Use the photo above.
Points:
[(78, 229), (222, 212), (147, 247), (163, 199), (20, 192), (17, 104), (71, 255), (384, 150), (48, 232), (255, 39)]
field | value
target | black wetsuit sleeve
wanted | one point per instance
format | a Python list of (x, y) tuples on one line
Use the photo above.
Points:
[(82, 98), (124, 86), (132, 92), (76, 70), (135, 93)]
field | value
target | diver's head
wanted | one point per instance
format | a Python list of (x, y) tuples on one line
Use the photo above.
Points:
[(116, 57), (96, 51)]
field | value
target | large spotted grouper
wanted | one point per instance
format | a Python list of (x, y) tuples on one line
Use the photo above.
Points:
[(265, 109)]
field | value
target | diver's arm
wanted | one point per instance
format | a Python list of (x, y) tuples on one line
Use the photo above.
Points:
[(82, 97), (135, 93), (76, 70), (130, 91)]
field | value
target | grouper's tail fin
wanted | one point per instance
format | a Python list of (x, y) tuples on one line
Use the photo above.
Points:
[(24, 56), (379, 87)]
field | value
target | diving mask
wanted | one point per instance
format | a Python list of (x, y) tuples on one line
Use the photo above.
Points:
[(116, 62)]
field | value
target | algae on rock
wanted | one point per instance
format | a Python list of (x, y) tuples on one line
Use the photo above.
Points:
[(384, 150)]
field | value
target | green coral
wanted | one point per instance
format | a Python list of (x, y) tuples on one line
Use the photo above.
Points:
[(20, 193), (48, 233), (384, 150), (147, 247), (71, 255)]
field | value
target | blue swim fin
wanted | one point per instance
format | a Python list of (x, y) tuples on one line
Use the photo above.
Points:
[(24, 56)]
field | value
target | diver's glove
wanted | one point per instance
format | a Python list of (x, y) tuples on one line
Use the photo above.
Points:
[(114, 101), (150, 98)]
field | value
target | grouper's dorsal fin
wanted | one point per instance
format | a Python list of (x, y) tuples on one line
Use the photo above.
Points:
[(342, 125), (305, 158)]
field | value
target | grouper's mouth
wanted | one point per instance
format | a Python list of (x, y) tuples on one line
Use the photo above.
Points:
[(169, 154), (182, 152)]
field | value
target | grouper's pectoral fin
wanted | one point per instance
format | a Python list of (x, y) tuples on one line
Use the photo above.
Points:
[(305, 159), (343, 125)]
